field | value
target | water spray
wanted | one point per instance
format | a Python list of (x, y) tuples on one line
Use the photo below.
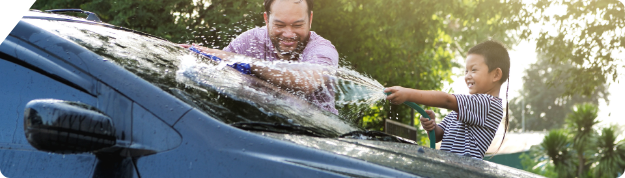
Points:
[(414, 106)]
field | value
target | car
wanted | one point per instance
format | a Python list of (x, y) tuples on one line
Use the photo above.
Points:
[(83, 98)]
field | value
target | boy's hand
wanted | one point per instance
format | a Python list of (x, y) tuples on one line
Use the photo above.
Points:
[(428, 124), (399, 94)]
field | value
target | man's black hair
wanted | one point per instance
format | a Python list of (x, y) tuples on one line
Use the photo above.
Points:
[(496, 56), (268, 4)]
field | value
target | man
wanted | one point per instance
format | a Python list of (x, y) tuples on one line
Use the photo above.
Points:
[(287, 37)]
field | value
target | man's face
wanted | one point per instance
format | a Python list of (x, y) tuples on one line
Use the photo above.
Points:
[(288, 25)]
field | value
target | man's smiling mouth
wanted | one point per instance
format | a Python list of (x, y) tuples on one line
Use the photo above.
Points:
[(288, 43)]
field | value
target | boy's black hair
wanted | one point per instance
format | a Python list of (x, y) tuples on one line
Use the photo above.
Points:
[(496, 56)]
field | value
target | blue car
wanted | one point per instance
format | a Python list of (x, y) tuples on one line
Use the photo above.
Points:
[(82, 98)]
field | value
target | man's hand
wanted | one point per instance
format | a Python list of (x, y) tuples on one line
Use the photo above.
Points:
[(399, 94), (428, 124)]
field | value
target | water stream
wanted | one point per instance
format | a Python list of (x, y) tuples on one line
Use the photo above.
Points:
[(350, 88)]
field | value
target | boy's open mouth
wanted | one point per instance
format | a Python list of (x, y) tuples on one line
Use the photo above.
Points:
[(470, 84)]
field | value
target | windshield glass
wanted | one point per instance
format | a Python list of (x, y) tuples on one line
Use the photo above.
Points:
[(217, 90)]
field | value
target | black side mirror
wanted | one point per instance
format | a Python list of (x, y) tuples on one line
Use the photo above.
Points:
[(67, 127)]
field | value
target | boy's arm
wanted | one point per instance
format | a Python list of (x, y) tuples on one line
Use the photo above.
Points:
[(430, 98), (439, 133)]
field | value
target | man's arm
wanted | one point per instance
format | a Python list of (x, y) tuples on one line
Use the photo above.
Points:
[(296, 76)]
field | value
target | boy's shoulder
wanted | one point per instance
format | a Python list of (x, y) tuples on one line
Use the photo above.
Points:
[(478, 101), (478, 96)]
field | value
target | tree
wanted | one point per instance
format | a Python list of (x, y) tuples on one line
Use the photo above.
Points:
[(544, 105), (537, 162), (611, 153), (556, 145), (211, 23), (581, 124), (578, 150), (588, 35), (412, 43)]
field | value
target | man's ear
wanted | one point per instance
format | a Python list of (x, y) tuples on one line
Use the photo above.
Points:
[(497, 74), (266, 18), (311, 17)]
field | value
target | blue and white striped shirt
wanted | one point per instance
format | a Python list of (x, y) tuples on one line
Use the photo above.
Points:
[(471, 130)]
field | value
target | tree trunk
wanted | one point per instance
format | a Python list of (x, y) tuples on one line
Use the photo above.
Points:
[(580, 167)]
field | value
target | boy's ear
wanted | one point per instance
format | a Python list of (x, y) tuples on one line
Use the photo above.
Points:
[(497, 74)]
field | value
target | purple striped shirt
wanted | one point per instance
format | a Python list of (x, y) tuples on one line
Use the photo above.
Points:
[(256, 43), (472, 129)]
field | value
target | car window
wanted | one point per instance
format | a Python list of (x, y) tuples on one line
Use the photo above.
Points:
[(21, 85), (218, 91)]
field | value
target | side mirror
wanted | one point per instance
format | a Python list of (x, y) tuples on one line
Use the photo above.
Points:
[(67, 127)]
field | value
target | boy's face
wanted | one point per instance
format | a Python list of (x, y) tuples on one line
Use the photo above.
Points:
[(478, 78)]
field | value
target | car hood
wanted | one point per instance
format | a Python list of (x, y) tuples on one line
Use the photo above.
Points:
[(409, 158)]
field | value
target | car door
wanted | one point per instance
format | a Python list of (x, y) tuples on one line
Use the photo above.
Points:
[(23, 80)]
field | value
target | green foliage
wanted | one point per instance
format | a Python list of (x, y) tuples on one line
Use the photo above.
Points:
[(611, 154), (536, 162), (412, 43), (587, 36), (212, 23), (546, 107), (557, 147), (582, 121), (581, 124), (579, 150)]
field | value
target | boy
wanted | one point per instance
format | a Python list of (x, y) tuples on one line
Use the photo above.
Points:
[(469, 129)]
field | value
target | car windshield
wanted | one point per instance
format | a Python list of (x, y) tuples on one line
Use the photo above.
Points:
[(219, 91)]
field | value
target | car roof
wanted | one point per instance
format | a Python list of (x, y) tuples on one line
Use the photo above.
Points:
[(36, 14)]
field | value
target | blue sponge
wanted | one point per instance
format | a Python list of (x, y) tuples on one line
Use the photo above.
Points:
[(241, 67)]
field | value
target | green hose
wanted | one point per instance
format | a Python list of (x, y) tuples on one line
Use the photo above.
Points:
[(431, 134)]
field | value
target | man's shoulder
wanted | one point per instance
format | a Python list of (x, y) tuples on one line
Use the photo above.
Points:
[(321, 51), (254, 37), (257, 32), (318, 40)]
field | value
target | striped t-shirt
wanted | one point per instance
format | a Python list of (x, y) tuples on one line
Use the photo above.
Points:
[(471, 130)]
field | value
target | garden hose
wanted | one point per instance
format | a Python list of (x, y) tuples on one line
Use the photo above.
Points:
[(431, 134)]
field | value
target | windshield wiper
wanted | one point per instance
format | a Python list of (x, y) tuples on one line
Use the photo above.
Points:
[(318, 132), (283, 128), (376, 135)]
